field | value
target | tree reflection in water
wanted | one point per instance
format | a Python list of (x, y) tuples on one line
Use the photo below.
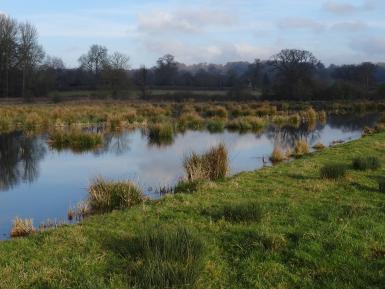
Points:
[(19, 158)]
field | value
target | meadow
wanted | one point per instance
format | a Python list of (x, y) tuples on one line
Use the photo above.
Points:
[(315, 222)]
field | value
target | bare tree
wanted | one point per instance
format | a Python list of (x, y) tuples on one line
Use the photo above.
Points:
[(8, 43), (142, 79), (294, 70), (95, 59), (30, 53), (115, 72)]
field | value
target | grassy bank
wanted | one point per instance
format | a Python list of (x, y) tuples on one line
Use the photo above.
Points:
[(280, 227)]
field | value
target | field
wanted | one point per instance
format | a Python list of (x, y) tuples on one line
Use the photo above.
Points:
[(279, 227)]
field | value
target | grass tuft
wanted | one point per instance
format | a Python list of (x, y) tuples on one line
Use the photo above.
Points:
[(169, 258), (161, 133), (77, 141), (277, 155), (366, 163), (212, 165), (22, 228), (106, 196), (301, 148), (333, 171), (239, 212)]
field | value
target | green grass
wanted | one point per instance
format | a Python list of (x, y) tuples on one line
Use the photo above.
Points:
[(333, 171), (105, 196), (314, 233), (366, 163)]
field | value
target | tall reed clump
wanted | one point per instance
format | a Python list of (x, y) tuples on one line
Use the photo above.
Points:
[(166, 258), (22, 228), (105, 196), (366, 163), (301, 148), (76, 140), (212, 165), (309, 115), (277, 155), (161, 133), (333, 171)]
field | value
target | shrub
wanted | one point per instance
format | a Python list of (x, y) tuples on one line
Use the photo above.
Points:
[(240, 212), (333, 171), (22, 228), (366, 163), (75, 140), (301, 148), (105, 196), (277, 155), (212, 165), (165, 257), (381, 185), (215, 125)]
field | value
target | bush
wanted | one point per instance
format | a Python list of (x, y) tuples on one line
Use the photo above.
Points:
[(366, 163), (241, 212), (212, 165), (169, 258), (105, 196), (333, 171)]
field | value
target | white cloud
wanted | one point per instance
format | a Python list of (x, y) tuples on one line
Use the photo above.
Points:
[(183, 21), (348, 8), (373, 46), (352, 26), (300, 23)]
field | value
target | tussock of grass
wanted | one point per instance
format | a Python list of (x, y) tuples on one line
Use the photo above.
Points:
[(215, 125), (77, 141), (162, 133), (166, 258), (277, 155), (105, 196), (333, 171), (366, 163), (212, 165), (301, 148), (319, 146), (246, 123), (238, 212), (190, 120), (22, 227), (381, 185)]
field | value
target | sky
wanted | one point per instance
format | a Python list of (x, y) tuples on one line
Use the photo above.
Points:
[(213, 31)]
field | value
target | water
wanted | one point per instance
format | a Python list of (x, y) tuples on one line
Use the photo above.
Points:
[(39, 183)]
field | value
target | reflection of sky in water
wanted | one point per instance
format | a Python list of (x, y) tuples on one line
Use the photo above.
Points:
[(61, 178)]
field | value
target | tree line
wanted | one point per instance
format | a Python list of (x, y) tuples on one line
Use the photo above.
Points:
[(27, 72)]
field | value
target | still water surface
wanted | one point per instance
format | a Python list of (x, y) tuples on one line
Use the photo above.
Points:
[(39, 183)]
